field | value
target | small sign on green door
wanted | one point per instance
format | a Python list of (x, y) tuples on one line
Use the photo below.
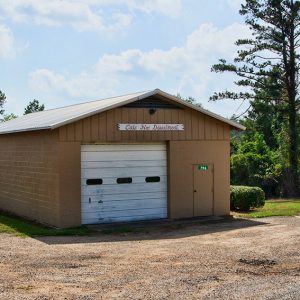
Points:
[(202, 167)]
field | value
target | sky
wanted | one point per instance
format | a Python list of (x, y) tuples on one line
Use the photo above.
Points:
[(63, 52)]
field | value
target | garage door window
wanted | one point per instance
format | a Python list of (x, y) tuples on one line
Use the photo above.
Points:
[(122, 180), (94, 181), (152, 179)]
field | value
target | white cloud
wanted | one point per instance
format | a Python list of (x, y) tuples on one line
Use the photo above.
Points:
[(79, 15), (7, 48), (167, 7), (184, 69), (123, 62), (83, 15)]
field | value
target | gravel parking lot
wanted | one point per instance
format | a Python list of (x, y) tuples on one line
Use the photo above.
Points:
[(232, 259)]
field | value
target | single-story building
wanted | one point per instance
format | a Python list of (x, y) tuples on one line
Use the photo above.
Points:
[(141, 156)]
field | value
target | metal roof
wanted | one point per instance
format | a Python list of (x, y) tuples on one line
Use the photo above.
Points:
[(54, 118)]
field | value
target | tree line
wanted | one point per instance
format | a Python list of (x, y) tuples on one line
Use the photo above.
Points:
[(33, 106), (267, 68)]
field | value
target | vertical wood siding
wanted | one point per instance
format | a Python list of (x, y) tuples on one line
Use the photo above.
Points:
[(103, 127)]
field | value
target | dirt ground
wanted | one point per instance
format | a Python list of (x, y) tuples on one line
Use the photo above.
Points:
[(232, 259)]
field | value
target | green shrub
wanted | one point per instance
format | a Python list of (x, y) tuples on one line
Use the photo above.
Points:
[(246, 197)]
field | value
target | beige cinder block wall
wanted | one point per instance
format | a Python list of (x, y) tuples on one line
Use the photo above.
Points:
[(29, 175), (182, 156), (40, 177), (69, 184)]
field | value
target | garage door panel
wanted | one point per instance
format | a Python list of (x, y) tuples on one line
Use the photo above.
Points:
[(122, 147), (137, 179), (123, 155), (123, 172), (125, 196), (96, 220), (123, 164), (123, 205), (109, 200), (121, 188), (128, 215)]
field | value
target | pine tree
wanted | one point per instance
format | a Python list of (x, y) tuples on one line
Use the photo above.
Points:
[(33, 106), (271, 52), (2, 101)]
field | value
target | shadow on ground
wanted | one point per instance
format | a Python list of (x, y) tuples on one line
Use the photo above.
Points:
[(153, 231)]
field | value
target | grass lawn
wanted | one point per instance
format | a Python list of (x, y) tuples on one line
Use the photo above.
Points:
[(19, 227), (273, 208), (23, 228)]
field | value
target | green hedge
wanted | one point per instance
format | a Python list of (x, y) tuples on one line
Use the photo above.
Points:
[(246, 197)]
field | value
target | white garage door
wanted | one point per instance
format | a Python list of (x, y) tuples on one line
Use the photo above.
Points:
[(123, 183)]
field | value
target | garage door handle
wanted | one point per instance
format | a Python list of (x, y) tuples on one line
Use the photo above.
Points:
[(100, 201)]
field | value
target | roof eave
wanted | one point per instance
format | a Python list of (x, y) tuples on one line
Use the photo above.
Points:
[(25, 130), (200, 109)]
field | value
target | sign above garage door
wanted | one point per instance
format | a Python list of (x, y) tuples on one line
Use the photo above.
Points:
[(150, 127)]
